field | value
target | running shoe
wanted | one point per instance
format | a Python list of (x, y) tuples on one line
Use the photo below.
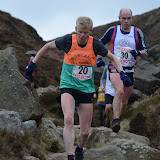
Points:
[(78, 154), (116, 125)]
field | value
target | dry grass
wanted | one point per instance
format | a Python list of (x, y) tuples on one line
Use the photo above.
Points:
[(145, 120), (14, 147)]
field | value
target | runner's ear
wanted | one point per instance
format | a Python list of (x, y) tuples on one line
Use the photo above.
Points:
[(91, 31), (76, 28)]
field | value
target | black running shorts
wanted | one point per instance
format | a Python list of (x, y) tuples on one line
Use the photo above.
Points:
[(80, 97), (108, 99)]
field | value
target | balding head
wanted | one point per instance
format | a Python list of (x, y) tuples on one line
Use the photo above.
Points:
[(125, 11), (125, 18)]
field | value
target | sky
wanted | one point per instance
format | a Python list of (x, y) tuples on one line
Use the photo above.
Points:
[(56, 18)]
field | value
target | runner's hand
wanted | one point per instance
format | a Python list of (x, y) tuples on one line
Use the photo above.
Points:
[(29, 69), (126, 80), (135, 53), (103, 89), (100, 62)]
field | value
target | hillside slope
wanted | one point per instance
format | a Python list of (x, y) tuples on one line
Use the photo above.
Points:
[(17, 33), (23, 38)]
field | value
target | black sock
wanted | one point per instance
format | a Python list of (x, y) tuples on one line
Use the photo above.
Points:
[(79, 149), (70, 157), (116, 119)]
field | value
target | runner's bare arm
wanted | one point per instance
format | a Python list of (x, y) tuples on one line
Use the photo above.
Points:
[(115, 61), (48, 46)]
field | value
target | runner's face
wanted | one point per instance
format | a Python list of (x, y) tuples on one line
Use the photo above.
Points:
[(126, 20), (82, 34)]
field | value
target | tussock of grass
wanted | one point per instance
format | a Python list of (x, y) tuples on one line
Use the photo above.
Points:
[(48, 99), (51, 145), (52, 109), (145, 120), (13, 147)]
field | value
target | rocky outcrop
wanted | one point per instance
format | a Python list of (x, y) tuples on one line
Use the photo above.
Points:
[(16, 94), (107, 145), (49, 130), (153, 55), (125, 145), (136, 94), (145, 79), (11, 122)]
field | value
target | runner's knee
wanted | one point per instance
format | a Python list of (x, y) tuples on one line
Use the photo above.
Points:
[(120, 92), (108, 108), (85, 133), (68, 121)]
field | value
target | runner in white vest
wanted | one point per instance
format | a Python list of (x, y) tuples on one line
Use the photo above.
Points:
[(127, 42), (109, 94)]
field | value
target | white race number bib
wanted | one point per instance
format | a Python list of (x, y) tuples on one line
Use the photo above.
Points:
[(124, 55), (82, 72), (102, 94)]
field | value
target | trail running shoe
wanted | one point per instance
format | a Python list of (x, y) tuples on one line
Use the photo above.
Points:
[(116, 125), (78, 155)]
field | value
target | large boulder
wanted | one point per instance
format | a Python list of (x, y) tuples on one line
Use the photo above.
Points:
[(11, 122), (16, 94), (50, 132), (146, 79), (107, 145), (153, 55), (104, 144)]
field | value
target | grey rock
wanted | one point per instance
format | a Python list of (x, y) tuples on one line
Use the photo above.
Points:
[(30, 158), (57, 156), (109, 152), (42, 90), (30, 127), (16, 94), (154, 53), (32, 52), (48, 129), (146, 77), (11, 121), (136, 94), (131, 146)]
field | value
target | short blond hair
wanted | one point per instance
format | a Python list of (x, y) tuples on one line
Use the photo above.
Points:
[(86, 22)]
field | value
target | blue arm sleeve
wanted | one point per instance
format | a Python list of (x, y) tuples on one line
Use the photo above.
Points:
[(141, 44), (107, 36)]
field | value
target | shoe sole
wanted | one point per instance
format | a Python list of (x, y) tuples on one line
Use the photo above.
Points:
[(116, 128)]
